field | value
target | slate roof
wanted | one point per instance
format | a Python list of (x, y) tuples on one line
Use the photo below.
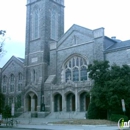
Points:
[(116, 44), (21, 59)]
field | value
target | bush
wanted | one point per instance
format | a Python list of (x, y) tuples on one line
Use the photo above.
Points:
[(93, 111), (7, 112), (116, 117)]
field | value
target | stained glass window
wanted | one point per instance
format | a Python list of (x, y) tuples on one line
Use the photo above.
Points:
[(78, 66)]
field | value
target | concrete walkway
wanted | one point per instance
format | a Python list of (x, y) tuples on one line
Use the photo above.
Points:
[(47, 123), (38, 121)]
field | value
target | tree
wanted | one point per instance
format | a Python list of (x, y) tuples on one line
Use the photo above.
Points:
[(2, 102), (111, 84), (2, 39)]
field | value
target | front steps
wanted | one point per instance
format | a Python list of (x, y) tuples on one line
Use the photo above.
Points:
[(67, 115), (54, 115)]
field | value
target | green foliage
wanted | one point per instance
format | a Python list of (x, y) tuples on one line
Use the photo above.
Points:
[(2, 101), (93, 111), (7, 112), (111, 84), (116, 117), (18, 103)]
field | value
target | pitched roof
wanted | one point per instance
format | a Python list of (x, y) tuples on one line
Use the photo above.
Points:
[(119, 45)]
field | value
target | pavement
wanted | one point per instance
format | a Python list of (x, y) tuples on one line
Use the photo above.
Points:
[(47, 123)]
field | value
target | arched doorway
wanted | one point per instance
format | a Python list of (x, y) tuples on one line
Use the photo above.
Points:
[(84, 101), (70, 100), (31, 101), (57, 102)]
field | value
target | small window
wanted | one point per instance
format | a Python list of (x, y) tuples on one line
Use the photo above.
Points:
[(19, 87), (11, 88), (4, 89), (20, 76), (12, 78), (4, 79)]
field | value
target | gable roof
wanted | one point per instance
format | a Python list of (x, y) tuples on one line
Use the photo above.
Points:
[(73, 28), (19, 61)]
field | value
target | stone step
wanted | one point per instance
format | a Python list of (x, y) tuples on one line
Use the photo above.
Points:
[(67, 115)]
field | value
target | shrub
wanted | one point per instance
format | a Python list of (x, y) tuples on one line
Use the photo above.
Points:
[(116, 117), (93, 111)]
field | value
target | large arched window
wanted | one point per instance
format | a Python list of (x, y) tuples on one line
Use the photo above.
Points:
[(35, 23), (76, 69)]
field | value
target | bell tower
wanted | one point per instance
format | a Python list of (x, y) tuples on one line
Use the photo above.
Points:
[(44, 23)]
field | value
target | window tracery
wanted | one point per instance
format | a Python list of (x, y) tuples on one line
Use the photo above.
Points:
[(76, 69)]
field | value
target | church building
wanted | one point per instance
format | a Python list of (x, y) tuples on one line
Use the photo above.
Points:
[(53, 76)]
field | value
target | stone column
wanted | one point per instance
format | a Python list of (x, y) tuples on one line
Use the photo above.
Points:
[(52, 103), (76, 98), (32, 101), (63, 102)]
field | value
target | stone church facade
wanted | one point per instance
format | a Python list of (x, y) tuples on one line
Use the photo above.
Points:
[(53, 76)]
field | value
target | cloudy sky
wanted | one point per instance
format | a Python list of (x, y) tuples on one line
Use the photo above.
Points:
[(113, 15)]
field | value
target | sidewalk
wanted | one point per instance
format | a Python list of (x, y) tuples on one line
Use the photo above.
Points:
[(43, 123), (37, 121)]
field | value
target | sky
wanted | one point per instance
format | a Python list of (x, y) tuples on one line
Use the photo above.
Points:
[(113, 15)]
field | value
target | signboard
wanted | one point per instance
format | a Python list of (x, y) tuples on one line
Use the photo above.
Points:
[(123, 105), (12, 109), (0, 117)]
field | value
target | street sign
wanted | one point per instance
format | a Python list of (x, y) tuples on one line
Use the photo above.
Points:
[(12, 109), (123, 105)]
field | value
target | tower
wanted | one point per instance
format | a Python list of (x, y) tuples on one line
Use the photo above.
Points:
[(44, 23)]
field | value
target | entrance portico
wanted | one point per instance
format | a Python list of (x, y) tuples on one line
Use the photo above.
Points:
[(30, 102)]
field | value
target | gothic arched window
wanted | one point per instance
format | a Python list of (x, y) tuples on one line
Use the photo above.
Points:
[(4, 79), (75, 69), (54, 25), (12, 78), (35, 23), (20, 76)]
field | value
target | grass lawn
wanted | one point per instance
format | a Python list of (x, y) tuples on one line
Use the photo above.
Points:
[(87, 122)]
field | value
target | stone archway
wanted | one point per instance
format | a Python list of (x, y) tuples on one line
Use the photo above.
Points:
[(57, 102), (70, 100), (31, 101), (84, 101)]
